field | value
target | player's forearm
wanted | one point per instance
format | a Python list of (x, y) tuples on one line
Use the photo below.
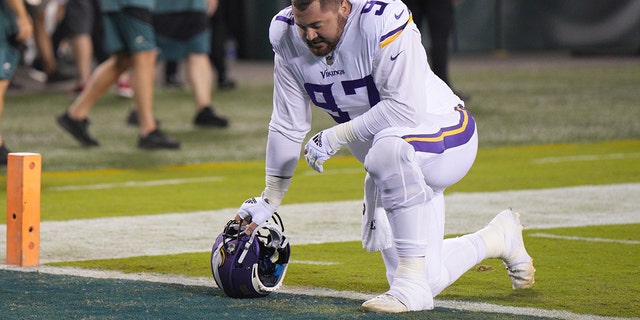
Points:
[(383, 116), (282, 158), (282, 154)]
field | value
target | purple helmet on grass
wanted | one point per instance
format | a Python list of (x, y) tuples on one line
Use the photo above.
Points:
[(250, 266)]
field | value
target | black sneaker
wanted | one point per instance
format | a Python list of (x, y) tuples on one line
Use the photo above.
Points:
[(4, 154), (132, 119), (157, 140), (15, 86), (58, 76), (77, 129), (173, 81), (207, 118), (226, 84)]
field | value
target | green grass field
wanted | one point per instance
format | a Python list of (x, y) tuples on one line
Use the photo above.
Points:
[(536, 126), (565, 268), (573, 276)]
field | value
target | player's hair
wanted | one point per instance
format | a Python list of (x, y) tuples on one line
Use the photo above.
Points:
[(302, 5)]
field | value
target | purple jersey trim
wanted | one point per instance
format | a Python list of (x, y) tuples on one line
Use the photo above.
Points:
[(445, 138), (284, 19)]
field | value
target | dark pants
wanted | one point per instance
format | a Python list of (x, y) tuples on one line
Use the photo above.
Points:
[(219, 25), (82, 17), (440, 19)]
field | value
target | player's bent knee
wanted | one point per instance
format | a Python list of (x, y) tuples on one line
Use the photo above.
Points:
[(386, 154), (391, 163)]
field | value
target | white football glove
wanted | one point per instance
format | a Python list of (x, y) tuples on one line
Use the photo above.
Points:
[(319, 148), (256, 210)]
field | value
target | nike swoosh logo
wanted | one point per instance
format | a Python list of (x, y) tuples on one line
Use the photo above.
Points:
[(394, 57), (399, 14)]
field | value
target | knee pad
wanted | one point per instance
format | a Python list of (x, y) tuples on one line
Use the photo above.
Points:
[(392, 164)]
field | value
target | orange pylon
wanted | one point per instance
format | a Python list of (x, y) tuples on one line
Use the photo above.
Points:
[(23, 208)]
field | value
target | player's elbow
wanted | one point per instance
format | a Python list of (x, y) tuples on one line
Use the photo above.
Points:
[(406, 115)]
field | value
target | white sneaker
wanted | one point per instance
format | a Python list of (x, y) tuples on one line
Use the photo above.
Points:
[(384, 303), (124, 89), (513, 253)]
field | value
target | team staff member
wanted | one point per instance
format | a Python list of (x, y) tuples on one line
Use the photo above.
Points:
[(130, 38), (15, 28), (363, 63), (182, 32), (440, 16)]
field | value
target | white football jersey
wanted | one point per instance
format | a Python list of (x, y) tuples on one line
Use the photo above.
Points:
[(377, 77)]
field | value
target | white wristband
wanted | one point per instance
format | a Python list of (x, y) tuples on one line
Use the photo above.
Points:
[(276, 188), (343, 134)]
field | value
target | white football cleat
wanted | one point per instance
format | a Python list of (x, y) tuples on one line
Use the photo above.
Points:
[(384, 303), (512, 251), (407, 293)]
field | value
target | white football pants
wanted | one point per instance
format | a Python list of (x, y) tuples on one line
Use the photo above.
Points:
[(410, 183)]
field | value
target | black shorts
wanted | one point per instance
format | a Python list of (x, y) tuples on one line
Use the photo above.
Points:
[(180, 25), (81, 17)]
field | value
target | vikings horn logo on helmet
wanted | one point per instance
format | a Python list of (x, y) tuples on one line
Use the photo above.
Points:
[(250, 266)]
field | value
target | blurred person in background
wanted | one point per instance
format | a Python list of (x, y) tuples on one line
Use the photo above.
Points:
[(130, 38), (182, 32), (82, 26), (219, 26), (440, 18), (219, 22), (45, 65), (15, 28)]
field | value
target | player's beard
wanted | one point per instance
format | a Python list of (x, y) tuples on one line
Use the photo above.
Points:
[(321, 46)]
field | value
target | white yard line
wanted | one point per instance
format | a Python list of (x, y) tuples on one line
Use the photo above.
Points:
[(586, 239), (587, 157), (173, 233), (135, 184)]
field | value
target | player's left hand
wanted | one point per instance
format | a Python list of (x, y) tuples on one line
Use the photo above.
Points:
[(319, 149)]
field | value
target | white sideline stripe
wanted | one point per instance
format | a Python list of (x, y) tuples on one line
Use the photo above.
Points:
[(553, 236), (134, 184), (321, 292), (587, 157), (319, 263)]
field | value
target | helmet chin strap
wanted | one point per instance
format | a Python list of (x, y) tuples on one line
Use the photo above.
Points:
[(248, 244)]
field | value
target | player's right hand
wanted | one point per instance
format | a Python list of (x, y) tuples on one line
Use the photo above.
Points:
[(255, 211), (249, 226)]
